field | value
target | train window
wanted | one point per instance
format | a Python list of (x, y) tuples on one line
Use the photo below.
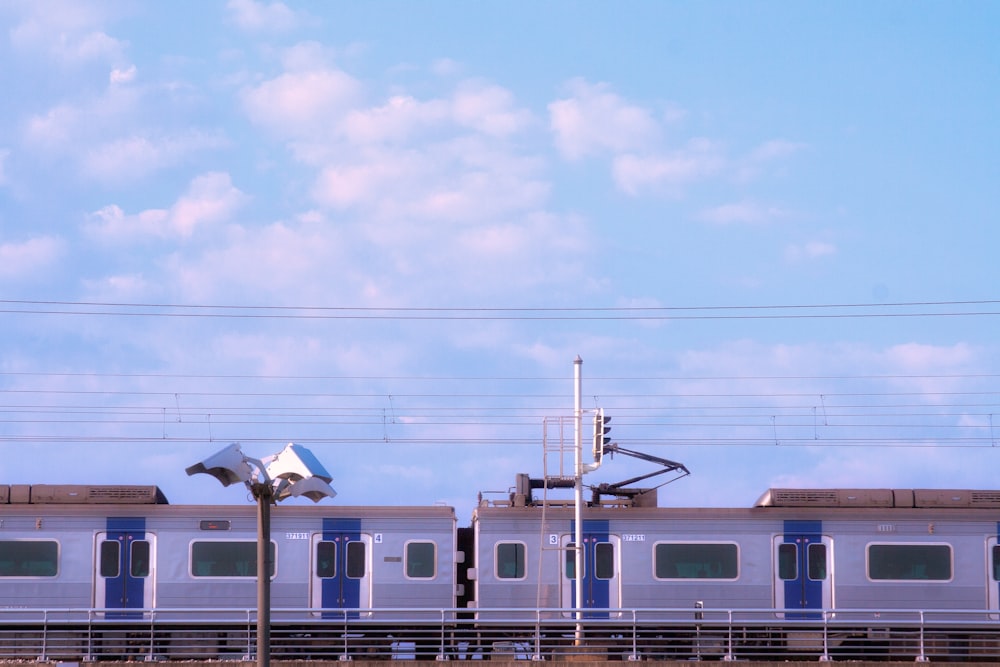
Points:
[(996, 562), (708, 560), (571, 560), (140, 559), (510, 560), (604, 560), (110, 558), (788, 562), (29, 558), (420, 560), (326, 559), (903, 562), (817, 561), (226, 559), (355, 556)]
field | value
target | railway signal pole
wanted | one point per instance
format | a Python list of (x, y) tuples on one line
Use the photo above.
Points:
[(578, 497)]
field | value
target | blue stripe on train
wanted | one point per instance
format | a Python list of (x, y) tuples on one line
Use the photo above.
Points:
[(803, 592), (340, 591), (125, 591), (597, 592)]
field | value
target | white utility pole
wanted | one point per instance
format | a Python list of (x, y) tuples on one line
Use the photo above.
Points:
[(578, 499)]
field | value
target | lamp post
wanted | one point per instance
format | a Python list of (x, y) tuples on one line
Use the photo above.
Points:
[(292, 472)]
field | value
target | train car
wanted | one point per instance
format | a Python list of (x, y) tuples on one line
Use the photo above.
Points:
[(884, 559), (108, 572), (122, 555)]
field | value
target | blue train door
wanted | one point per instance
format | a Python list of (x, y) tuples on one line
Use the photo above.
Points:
[(341, 568), (803, 569), (601, 576), (124, 567)]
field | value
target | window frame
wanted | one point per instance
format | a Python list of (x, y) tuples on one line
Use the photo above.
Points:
[(910, 580), (350, 559), (334, 546), (106, 560), (191, 560), (523, 548), (406, 560), (811, 562), (697, 543), (56, 561)]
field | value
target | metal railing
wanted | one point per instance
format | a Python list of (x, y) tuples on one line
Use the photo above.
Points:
[(513, 634)]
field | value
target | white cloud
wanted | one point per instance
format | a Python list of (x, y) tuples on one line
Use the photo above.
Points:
[(486, 109), (770, 154), (809, 250), (776, 149), (384, 260), (66, 127), (445, 199), (4, 154), (210, 199), (66, 31), (917, 358), (117, 288), (30, 258), (263, 16), (466, 179), (594, 119), (394, 121), (746, 213), (53, 129), (300, 104), (120, 76), (446, 67), (108, 137), (343, 186), (489, 109), (470, 193), (308, 56), (666, 173), (301, 261), (132, 158)]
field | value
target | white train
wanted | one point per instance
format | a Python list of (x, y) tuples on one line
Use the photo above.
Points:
[(92, 571)]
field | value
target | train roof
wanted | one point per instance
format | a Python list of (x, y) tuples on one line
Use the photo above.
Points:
[(789, 498), (902, 498), (81, 494), (72, 499)]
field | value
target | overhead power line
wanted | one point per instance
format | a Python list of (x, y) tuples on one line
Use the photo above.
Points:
[(763, 312)]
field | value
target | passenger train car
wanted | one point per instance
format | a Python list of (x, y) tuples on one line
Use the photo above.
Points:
[(873, 559), (126, 555), (794, 551)]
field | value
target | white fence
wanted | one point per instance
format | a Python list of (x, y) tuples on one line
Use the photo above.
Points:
[(527, 634)]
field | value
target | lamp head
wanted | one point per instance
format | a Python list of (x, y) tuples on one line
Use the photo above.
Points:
[(294, 463), (228, 465), (313, 488)]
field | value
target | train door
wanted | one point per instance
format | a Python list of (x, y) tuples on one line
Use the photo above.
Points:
[(601, 570), (993, 573), (124, 567), (803, 569), (341, 572)]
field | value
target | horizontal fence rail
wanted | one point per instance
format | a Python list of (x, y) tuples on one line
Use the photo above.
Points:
[(509, 634)]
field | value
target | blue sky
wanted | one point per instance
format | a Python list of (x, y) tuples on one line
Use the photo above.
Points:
[(385, 230)]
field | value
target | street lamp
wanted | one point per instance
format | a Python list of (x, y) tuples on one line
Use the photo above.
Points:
[(292, 472)]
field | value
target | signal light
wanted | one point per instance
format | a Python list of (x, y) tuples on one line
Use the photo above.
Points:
[(601, 430)]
